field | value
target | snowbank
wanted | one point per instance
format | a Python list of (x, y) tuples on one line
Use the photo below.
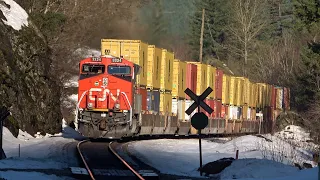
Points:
[(256, 168), (16, 16), (181, 157)]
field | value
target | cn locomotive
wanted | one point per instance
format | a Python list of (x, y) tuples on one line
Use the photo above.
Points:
[(137, 89)]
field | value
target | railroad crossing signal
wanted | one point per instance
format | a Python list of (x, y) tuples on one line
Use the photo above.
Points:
[(198, 100), (199, 120)]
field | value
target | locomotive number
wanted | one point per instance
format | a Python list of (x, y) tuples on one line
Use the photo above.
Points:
[(96, 58), (116, 60)]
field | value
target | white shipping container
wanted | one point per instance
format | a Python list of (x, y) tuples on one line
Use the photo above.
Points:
[(233, 112), (188, 104), (181, 110), (249, 114), (175, 106)]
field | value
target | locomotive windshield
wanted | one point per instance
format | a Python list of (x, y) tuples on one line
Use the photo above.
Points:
[(93, 68), (119, 70)]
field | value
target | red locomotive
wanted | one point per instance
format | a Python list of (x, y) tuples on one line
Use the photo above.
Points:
[(106, 96)]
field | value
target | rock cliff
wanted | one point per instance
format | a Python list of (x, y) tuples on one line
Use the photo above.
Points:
[(27, 86)]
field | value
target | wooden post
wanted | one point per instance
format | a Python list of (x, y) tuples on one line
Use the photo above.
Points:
[(201, 37)]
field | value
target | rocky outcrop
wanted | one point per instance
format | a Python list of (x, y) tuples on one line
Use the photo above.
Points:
[(27, 86)]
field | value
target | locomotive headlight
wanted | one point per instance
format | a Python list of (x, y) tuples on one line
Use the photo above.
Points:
[(89, 105), (117, 106), (105, 81)]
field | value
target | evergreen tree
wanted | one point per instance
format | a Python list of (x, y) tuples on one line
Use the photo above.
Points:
[(307, 15), (216, 15)]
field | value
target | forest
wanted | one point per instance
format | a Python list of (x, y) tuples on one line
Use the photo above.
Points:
[(272, 41)]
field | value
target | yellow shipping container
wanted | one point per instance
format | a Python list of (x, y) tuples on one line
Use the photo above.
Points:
[(245, 112), (232, 90), (154, 64), (201, 77), (254, 95), (226, 89), (269, 95), (239, 92), (179, 83), (211, 74), (261, 95), (246, 91), (133, 50), (253, 114), (165, 102), (166, 70)]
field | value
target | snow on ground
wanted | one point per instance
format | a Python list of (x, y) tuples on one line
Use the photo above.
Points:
[(73, 82), (16, 16), (181, 157), (249, 169), (43, 152)]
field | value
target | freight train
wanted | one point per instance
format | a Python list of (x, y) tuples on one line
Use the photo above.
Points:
[(138, 89)]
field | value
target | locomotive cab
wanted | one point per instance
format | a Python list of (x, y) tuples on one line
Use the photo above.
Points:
[(105, 96)]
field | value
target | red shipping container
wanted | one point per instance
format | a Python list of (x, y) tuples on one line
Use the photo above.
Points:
[(218, 105), (207, 101), (218, 84), (144, 94), (273, 97), (211, 104), (191, 78), (224, 111)]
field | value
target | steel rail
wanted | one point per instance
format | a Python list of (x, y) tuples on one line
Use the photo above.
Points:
[(83, 160), (125, 163)]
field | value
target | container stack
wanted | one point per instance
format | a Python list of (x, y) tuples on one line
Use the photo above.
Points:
[(166, 76), (153, 79), (135, 51), (191, 83), (179, 84)]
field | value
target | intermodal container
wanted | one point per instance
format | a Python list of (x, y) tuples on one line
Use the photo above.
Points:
[(226, 89), (286, 101), (133, 50), (245, 112), (207, 101), (232, 90), (261, 95), (246, 91), (211, 104), (253, 114), (181, 110), (273, 97), (191, 78), (201, 77), (165, 103), (239, 92), (166, 72), (224, 111), (217, 108), (174, 107), (154, 64), (279, 98), (233, 112), (218, 84), (255, 95), (144, 95), (188, 104), (249, 114), (153, 101), (211, 76), (179, 79)]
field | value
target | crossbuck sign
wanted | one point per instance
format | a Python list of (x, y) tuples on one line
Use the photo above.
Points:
[(198, 100), (199, 120)]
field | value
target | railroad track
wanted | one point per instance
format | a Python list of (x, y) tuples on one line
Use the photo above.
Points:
[(102, 161)]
